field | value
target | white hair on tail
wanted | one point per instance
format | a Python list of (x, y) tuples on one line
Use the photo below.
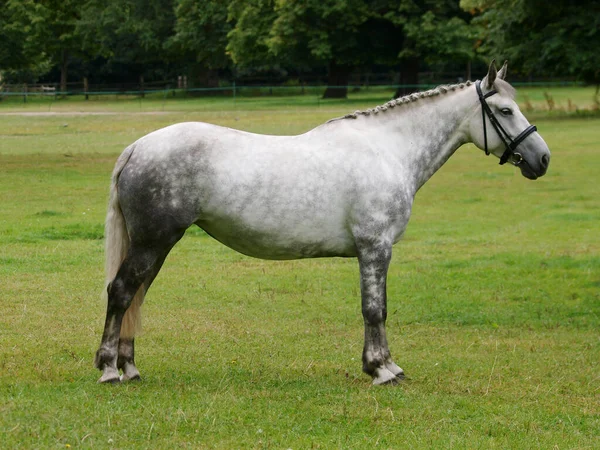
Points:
[(116, 245)]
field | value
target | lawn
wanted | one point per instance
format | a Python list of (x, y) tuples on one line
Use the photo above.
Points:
[(533, 98), (494, 305)]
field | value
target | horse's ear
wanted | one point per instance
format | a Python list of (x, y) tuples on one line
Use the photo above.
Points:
[(502, 72), (488, 80)]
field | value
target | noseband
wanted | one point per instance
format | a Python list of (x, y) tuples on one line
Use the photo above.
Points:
[(509, 143)]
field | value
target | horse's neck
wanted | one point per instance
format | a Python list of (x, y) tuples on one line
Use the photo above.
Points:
[(427, 132)]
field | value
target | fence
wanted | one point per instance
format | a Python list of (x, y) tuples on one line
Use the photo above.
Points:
[(44, 92)]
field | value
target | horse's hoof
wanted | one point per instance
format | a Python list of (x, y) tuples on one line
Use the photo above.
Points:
[(393, 367), (126, 377), (386, 377), (110, 375), (130, 372), (105, 380)]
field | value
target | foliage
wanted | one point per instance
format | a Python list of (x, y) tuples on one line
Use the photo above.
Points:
[(116, 40), (41, 33), (318, 30), (201, 30), (439, 38), (12, 36), (432, 30), (537, 36), (347, 35), (130, 33), (247, 40)]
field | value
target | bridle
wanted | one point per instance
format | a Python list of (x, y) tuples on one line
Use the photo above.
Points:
[(509, 143)]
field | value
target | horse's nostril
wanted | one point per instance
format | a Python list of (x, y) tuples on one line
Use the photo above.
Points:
[(545, 161)]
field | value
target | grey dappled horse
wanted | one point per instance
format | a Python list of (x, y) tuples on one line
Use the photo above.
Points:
[(345, 189)]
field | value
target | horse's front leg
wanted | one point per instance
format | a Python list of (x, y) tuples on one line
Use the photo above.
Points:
[(374, 260)]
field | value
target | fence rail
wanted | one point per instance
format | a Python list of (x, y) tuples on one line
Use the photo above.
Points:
[(231, 90)]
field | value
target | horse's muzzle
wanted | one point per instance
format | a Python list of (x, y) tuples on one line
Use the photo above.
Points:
[(529, 170)]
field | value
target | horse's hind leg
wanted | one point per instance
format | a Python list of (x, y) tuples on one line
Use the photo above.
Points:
[(125, 359), (134, 269), (126, 353), (140, 265)]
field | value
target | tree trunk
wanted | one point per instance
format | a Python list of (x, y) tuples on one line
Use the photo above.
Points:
[(409, 77), (203, 77), (208, 78), (337, 81), (63, 72)]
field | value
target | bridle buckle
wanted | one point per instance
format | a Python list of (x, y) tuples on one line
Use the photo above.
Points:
[(516, 158)]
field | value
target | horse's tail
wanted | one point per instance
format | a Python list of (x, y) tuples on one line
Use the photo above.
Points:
[(116, 245)]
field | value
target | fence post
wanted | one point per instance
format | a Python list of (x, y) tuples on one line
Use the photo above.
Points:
[(233, 92), (86, 87), (25, 93)]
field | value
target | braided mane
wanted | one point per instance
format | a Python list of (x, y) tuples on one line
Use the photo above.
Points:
[(442, 89)]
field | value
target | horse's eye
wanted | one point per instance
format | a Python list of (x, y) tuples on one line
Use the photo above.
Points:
[(506, 111)]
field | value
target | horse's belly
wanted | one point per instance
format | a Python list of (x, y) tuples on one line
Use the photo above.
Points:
[(280, 243)]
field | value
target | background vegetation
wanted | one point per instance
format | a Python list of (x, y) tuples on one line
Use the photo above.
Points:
[(271, 41)]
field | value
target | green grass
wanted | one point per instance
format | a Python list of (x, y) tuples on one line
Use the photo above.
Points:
[(494, 306)]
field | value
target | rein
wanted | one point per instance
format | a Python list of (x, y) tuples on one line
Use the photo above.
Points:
[(509, 143)]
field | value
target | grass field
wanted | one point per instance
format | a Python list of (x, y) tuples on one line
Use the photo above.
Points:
[(555, 100), (494, 305)]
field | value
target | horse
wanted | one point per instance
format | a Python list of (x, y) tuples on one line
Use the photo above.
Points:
[(344, 188)]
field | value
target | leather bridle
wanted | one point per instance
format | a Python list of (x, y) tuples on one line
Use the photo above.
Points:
[(509, 143)]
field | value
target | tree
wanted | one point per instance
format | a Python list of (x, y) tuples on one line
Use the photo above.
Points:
[(309, 34), (326, 32), (12, 36), (200, 37), (248, 41), (432, 31), (552, 38), (130, 34), (345, 35), (47, 32)]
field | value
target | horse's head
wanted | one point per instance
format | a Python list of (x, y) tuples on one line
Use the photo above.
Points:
[(500, 128)]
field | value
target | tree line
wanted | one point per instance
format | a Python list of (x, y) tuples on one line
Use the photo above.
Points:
[(132, 40)]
